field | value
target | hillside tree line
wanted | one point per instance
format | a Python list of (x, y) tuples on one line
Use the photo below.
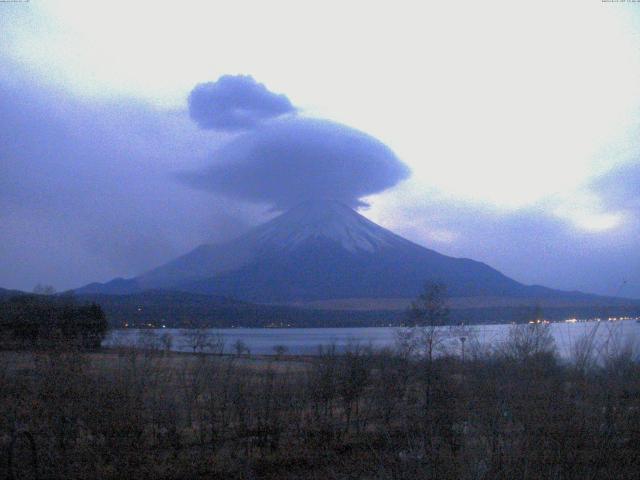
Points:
[(28, 321)]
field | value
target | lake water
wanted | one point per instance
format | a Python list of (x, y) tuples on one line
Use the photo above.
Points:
[(606, 337)]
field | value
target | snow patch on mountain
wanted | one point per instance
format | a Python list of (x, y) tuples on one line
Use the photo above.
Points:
[(328, 220)]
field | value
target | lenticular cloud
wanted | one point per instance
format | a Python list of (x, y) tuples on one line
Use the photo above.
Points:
[(280, 157), (290, 161)]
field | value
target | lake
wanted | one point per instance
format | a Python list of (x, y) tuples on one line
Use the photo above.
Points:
[(607, 336)]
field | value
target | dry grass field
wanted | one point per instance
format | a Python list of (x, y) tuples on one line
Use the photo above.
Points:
[(66, 414)]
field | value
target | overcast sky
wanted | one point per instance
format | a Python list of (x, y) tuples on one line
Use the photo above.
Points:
[(506, 132)]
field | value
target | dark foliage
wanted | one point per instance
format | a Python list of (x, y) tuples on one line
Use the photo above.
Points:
[(42, 321)]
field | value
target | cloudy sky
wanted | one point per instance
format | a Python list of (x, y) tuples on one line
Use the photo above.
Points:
[(503, 131)]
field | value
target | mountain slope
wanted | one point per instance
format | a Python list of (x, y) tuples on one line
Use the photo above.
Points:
[(4, 293), (321, 251)]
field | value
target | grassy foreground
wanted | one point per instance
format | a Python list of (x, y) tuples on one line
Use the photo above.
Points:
[(115, 414)]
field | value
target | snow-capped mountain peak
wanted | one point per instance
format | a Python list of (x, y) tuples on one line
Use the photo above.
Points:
[(324, 250), (327, 220)]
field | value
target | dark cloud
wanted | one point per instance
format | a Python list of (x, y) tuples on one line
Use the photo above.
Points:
[(235, 103), (288, 161), (87, 191)]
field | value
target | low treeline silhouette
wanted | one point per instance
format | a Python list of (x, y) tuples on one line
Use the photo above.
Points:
[(185, 310), (42, 321), (511, 411)]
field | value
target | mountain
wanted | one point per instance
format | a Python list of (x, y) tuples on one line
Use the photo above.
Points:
[(4, 293), (323, 253)]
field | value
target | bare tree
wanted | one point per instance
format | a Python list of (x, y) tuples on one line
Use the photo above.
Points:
[(166, 339), (528, 340), (149, 340), (280, 351), (217, 343), (203, 339), (406, 342), (430, 312), (240, 347)]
